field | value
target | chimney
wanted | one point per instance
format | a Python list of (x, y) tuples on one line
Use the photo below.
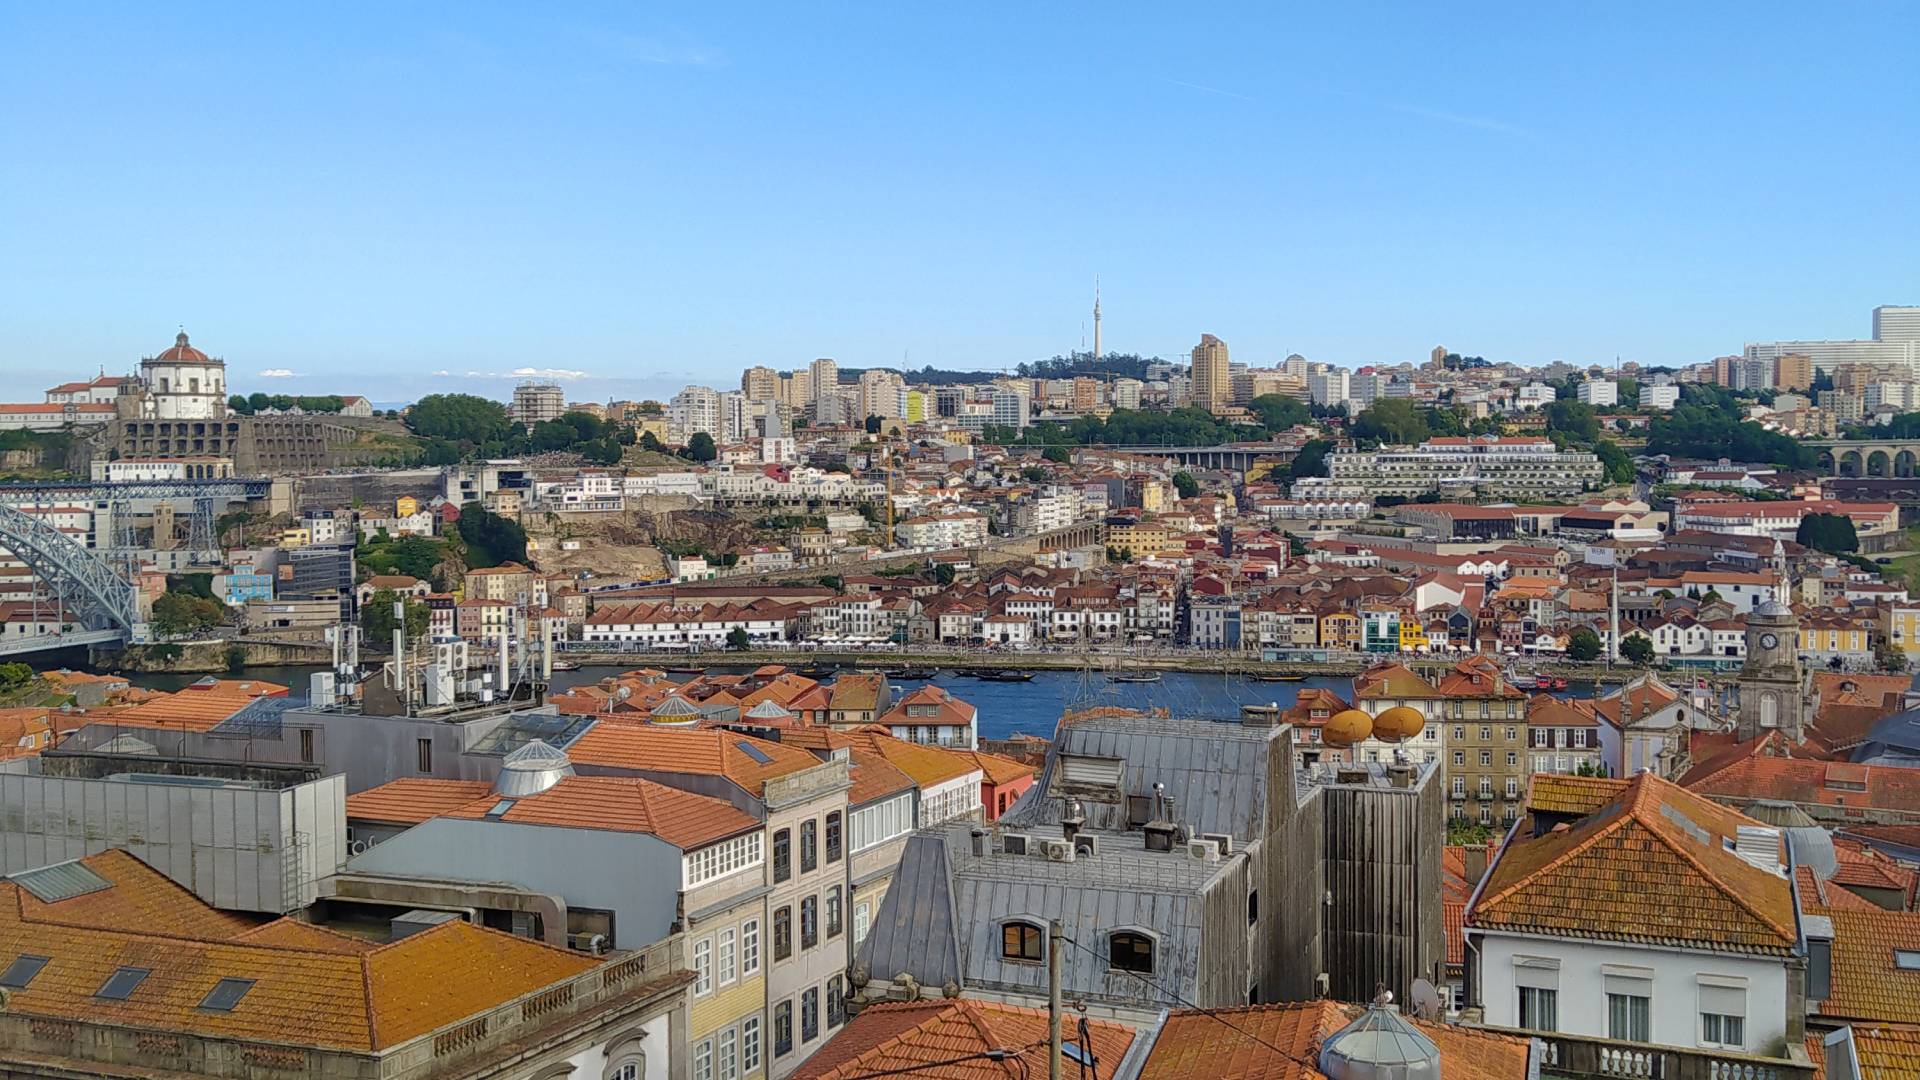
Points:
[(979, 839), (1476, 857), (1074, 820)]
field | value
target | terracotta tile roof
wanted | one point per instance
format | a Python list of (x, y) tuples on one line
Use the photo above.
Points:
[(996, 769), (308, 997), (621, 804), (927, 765), (1885, 1052), (413, 800), (185, 710), (1545, 710), (619, 743), (1860, 866), (1867, 985), (916, 1035), (1649, 866), (24, 732), (1196, 1044), (1392, 681), (1562, 793), (1816, 892), (1826, 783), (294, 934), (141, 899)]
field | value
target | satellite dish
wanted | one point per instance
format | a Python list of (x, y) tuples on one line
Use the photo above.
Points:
[(1426, 1000)]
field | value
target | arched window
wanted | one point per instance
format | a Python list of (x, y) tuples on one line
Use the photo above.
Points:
[(1129, 951), (1022, 941)]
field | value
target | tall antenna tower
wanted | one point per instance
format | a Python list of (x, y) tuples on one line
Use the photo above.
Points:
[(1096, 318)]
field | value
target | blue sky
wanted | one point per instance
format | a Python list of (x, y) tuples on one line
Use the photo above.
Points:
[(649, 195)]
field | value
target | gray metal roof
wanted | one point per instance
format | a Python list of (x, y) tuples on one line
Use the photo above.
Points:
[(61, 881), (260, 719), (1125, 886), (1215, 772)]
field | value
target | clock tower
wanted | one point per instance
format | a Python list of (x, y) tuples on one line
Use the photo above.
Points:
[(1771, 692)]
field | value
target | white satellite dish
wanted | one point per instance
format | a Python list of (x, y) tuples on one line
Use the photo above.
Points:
[(1426, 1000)]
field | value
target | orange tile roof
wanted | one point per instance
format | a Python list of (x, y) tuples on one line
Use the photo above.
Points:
[(1885, 1051), (927, 765), (1392, 681), (1564, 793), (627, 744), (294, 934), (921, 1035), (24, 732), (142, 899), (1884, 787), (997, 769), (181, 711), (329, 998), (413, 800), (621, 804), (1867, 985), (1632, 871), (1197, 1044)]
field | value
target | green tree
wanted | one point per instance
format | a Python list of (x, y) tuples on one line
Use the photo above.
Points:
[(377, 622), (737, 639), (1391, 420), (239, 406), (458, 418), (1590, 768), (1618, 466), (1033, 474), (1831, 533), (872, 424), (15, 675), (1574, 419), (701, 448), (1058, 454), (1185, 484), (1583, 645), (1277, 413), (650, 441), (1707, 425), (179, 613), (1311, 460), (944, 574), (491, 539), (1637, 649)]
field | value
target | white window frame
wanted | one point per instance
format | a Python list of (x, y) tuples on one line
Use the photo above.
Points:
[(703, 1060), (724, 859), (727, 954), (749, 1045), (703, 968), (749, 948)]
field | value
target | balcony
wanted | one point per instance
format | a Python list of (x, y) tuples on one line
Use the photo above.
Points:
[(1580, 1057)]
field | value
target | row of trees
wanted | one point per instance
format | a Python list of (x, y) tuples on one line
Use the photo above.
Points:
[(257, 402), (457, 426), (1186, 426)]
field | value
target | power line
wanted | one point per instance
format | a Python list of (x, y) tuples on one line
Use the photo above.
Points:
[(1003, 1053), (1209, 1013)]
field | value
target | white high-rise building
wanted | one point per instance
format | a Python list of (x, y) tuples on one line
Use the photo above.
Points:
[(823, 377), (1654, 396), (1367, 387), (1011, 406), (693, 409), (1598, 392), (1330, 388), (882, 393), (1896, 340), (1126, 393), (736, 422), (1896, 323)]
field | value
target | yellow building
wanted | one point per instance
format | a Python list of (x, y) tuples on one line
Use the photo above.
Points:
[(916, 406), (296, 537), (1413, 633), (1835, 636), (1340, 630), (1901, 625), (1143, 537), (405, 506), (1211, 381)]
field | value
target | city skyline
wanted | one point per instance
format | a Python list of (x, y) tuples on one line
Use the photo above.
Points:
[(639, 204)]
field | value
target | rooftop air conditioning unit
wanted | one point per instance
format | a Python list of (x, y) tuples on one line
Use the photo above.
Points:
[(1222, 839), (1086, 845), (1204, 850), (1059, 851), (1015, 843)]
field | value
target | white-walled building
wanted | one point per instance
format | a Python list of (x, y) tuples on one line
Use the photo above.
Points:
[(1598, 392), (1637, 911)]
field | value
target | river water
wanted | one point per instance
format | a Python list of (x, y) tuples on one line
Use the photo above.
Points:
[(1005, 708)]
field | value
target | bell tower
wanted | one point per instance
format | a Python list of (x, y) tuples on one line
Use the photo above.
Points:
[(1771, 693)]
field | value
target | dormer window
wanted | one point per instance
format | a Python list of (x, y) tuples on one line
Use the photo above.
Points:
[(1128, 950), (1022, 941)]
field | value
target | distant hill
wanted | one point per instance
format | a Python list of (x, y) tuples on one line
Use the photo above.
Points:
[(1127, 365)]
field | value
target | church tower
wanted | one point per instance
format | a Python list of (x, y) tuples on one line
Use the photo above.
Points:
[(1771, 692)]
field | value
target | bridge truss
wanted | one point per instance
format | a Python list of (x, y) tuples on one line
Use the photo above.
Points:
[(99, 596)]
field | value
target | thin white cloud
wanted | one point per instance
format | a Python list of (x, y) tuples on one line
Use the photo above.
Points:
[(1207, 89), (649, 50), (559, 374), (1484, 123), (279, 373)]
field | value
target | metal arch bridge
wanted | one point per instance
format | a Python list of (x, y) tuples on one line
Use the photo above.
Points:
[(100, 596), (236, 489)]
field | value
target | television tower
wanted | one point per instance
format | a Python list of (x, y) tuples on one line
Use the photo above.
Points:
[(1096, 318)]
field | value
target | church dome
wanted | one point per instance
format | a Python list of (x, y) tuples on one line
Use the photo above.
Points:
[(1773, 609), (1378, 1045), (183, 353)]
